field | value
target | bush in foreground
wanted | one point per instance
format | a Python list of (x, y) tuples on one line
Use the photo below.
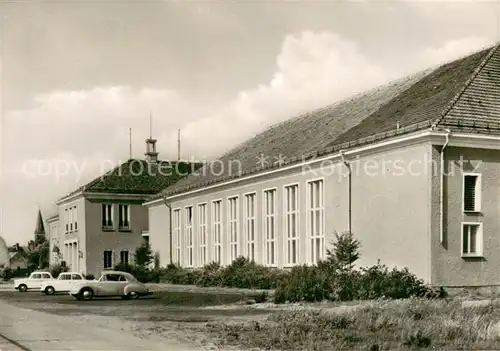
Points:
[(57, 269), (382, 325)]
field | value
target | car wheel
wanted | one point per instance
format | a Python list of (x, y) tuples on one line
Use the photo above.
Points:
[(23, 288), (50, 290), (133, 295), (86, 294)]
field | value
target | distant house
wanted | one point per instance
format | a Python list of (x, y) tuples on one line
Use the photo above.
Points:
[(412, 168), (101, 223), (17, 257)]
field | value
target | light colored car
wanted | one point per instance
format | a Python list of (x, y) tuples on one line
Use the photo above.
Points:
[(33, 282), (111, 283), (63, 283)]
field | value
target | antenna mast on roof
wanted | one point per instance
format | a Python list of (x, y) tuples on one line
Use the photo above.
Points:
[(178, 145), (150, 125), (130, 142)]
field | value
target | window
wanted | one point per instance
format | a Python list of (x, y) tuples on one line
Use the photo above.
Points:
[(217, 229), (70, 211), (472, 239), (189, 235), (124, 257), (202, 222), (66, 220), (232, 210), (123, 217), (76, 218), (292, 223), (270, 225), (177, 234), (472, 193), (64, 276), (108, 259), (315, 221), (250, 225), (76, 277), (107, 216), (36, 276), (46, 276)]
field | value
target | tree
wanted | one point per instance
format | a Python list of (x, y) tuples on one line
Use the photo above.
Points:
[(144, 255), (345, 250), (38, 254)]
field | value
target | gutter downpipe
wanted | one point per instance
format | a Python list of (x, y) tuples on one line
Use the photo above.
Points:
[(170, 225), (441, 195), (348, 165)]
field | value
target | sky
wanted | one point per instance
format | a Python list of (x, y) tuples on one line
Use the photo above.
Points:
[(77, 75)]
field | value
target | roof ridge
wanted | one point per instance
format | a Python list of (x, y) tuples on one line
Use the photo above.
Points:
[(467, 84)]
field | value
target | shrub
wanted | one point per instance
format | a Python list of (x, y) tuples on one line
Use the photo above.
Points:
[(143, 274), (57, 269), (6, 274)]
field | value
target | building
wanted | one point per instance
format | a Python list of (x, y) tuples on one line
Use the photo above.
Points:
[(17, 257), (411, 168), (53, 238), (101, 223), (4, 254)]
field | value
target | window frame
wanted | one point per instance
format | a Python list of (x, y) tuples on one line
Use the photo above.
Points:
[(233, 227), (310, 237), (188, 234), (286, 214), (265, 217), (177, 233), (121, 213), (202, 233), (247, 219), (217, 237), (477, 194), (104, 259), (479, 240), (107, 227), (128, 257)]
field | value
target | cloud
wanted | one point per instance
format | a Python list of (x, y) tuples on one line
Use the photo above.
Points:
[(77, 135)]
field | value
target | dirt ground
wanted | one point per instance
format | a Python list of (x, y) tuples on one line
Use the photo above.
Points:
[(167, 315)]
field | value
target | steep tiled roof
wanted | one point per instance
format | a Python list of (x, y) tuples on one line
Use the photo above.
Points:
[(139, 177), (463, 92)]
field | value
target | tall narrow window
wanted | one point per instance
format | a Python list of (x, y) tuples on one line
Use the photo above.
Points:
[(189, 236), (315, 221), (66, 219), (217, 229), (292, 224), (232, 210), (124, 257), (70, 210), (472, 239), (250, 225), (472, 193), (107, 216), (176, 224), (124, 217), (108, 259), (76, 218), (202, 225), (270, 226)]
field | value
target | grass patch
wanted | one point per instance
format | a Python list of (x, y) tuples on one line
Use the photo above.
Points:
[(383, 325)]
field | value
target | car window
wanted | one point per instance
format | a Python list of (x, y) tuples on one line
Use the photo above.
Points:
[(111, 277), (122, 279), (46, 276), (65, 277), (76, 277), (36, 276)]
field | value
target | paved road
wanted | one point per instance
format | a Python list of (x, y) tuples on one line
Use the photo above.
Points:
[(34, 331)]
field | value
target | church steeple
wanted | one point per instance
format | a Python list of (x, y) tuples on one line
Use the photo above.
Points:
[(39, 228), (151, 154)]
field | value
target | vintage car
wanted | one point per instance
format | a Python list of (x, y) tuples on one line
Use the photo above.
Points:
[(111, 283), (33, 282), (63, 283)]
